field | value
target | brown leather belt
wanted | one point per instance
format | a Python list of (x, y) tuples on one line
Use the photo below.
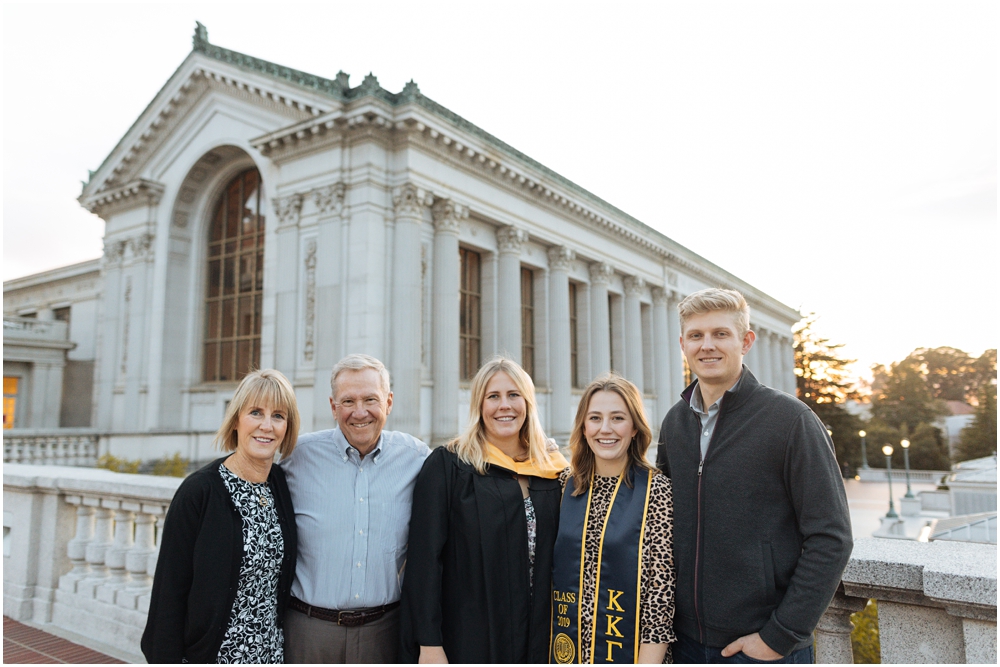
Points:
[(346, 618)]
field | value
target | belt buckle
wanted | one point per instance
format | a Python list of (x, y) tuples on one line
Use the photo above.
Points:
[(348, 618)]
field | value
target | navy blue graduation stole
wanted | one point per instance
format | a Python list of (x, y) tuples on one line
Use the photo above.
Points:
[(615, 613)]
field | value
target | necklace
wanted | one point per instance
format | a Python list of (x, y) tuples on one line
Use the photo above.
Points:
[(257, 487)]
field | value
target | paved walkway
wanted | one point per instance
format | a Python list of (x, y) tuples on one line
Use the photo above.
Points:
[(23, 644)]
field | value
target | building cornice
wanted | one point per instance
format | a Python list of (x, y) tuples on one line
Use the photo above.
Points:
[(91, 266), (140, 192)]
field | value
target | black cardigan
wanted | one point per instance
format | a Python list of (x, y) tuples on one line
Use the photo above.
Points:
[(466, 584), (198, 568)]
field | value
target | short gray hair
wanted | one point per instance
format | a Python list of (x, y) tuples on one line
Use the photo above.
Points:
[(360, 362)]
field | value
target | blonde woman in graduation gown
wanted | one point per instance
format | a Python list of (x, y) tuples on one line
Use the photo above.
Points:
[(477, 584)]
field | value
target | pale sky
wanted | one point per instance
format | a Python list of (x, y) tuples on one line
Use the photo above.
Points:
[(839, 156)]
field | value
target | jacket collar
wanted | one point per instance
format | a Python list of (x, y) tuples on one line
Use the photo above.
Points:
[(733, 398)]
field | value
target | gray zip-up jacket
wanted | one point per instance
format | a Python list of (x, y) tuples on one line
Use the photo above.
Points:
[(762, 532)]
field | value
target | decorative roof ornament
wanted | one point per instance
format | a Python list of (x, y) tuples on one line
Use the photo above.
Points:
[(369, 86), (200, 39), (344, 79), (410, 92)]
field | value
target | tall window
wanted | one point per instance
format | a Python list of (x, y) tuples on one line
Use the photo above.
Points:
[(61, 314), (9, 400), (528, 321), (574, 369), (235, 281), (470, 324)]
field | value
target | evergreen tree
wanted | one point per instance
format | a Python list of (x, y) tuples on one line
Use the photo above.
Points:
[(979, 438), (824, 382)]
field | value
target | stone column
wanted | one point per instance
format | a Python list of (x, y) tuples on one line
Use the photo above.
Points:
[(674, 335), (406, 324), (447, 217), (634, 287), (600, 339), (762, 357), (833, 632), (662, 345), (774, 361), (788, 365), (510, 241), (561, 377), (328, 323)]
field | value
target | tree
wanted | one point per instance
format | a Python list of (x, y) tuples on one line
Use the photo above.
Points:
[(979, 438), (947, 371), (824, 382), (901, 395)]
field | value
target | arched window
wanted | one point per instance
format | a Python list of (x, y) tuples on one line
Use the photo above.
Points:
[(235, 281)]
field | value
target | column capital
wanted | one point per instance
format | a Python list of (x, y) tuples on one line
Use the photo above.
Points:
[(448, 215), (634, 285), (329, 198), (600, 273), (510, 239), (561, 258), (661, 296), (409, 201), (288, 209)]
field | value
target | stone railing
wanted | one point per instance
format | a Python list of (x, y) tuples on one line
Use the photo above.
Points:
[(898, 475), (65, 447), (80, 548), (33, 329), (937, 602)]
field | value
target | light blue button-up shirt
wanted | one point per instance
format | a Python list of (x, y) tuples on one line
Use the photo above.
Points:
[(352, 515)]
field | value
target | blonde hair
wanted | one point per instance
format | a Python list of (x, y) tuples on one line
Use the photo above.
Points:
[(714, 298), (470, 445), (583, 460), (360, 362), (266, 387)]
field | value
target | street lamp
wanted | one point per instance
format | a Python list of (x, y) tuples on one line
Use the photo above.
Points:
[(905, 444), (864, 451), (887, 450)]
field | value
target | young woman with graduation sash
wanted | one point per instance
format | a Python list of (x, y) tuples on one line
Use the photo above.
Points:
[(613, 581), (477, 583)]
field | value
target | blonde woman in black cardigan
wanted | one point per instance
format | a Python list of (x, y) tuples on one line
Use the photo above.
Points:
[(227, 556)]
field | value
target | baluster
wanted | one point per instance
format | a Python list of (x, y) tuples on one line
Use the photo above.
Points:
[(156, 512), (97, 548), (115, 558), (59, 455), (138, 556), (833, 632), (76, 548)]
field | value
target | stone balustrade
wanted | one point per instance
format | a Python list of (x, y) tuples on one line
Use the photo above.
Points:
[(63, 447), (29, 328), (899, 475), (937, 602), (80, 549)]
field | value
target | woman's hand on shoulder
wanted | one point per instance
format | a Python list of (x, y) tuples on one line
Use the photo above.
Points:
[(432, 655)]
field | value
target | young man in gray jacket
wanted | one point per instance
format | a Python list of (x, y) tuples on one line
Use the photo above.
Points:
[(762, 532)]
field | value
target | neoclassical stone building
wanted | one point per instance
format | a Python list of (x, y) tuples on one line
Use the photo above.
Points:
[(257, 215)]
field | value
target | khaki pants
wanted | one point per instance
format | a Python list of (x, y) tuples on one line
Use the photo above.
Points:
[(310, 640)]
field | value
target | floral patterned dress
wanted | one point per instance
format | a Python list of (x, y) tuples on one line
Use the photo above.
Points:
[(253, 635)]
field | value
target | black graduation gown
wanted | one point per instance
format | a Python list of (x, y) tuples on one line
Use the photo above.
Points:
[(466, 584)]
